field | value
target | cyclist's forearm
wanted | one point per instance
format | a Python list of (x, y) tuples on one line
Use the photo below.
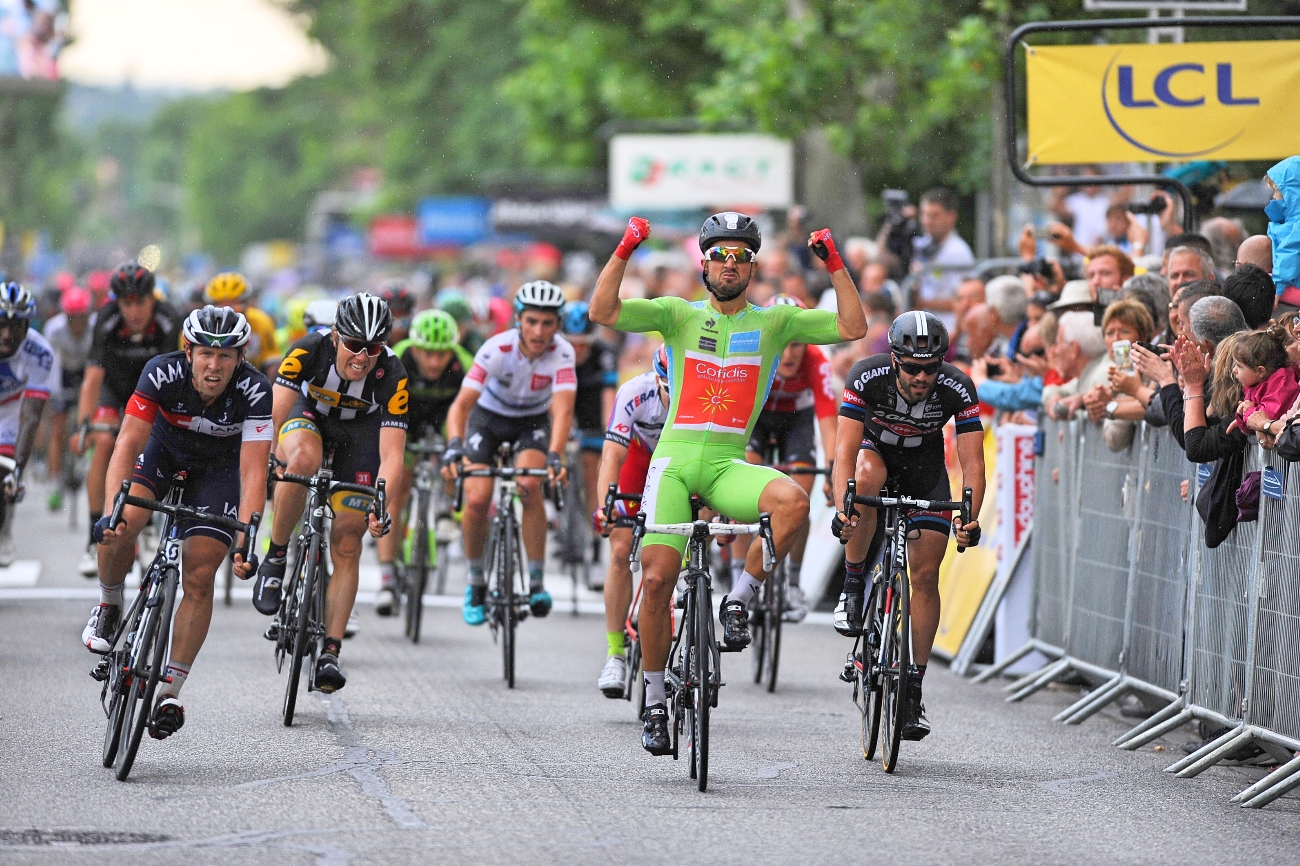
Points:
[(826, 427), (458, 414), (282, 400), (561, 419), (605, 302), (848, 436), (90, 385), (130, 444), (252, 478), (611, 459), (392, 448), (970, 454), (850, 318), (28, 424)]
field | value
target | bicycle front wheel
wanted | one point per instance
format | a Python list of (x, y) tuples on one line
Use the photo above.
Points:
[(300, 621), (869, 672), (775, 613), (417, 574), (507, 554), (116, 707), (153, 651), (896, 658), (702, 694)]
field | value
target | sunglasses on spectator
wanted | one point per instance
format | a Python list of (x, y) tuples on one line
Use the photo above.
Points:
[(360, 347), (1037, 353), (743, 255), (919, 369)]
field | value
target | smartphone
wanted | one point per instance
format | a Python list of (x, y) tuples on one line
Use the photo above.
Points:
[(995, 369), (1122, 353)]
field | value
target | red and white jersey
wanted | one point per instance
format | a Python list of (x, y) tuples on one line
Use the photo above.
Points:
[(639, 413), (811, 387), (32, 372), (517, 386)]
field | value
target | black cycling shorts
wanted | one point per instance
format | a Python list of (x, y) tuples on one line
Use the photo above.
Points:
[(214, 489), (486, 430), (354, 442), (794, 433), (920, 473)]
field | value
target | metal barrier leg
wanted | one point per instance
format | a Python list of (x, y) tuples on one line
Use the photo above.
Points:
[(1173, 716), (1044, 677), (989, 673), (1211, 753), (1098, 700), (1291, 769), (1020, 682)]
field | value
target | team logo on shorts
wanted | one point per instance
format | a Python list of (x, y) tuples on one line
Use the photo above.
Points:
[(363, 478)]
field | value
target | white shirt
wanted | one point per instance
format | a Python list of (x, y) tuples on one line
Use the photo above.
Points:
[(940, 269), (72, 350), (639, 412), (1089, 216), (517, 386)]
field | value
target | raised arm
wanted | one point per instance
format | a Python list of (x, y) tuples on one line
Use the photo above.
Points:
[(850, 318), (605, 303)]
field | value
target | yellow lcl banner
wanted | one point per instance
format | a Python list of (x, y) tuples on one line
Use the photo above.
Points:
[(1167, 102)]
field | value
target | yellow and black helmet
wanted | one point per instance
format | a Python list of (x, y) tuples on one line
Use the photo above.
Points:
[(227, 288)]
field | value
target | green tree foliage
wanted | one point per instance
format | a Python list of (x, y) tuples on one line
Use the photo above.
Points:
[(38, 166)]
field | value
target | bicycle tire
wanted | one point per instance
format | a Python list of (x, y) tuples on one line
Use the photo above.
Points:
[(686, 694), (506, 590), (776, 612), (304, 588), (703, 691), (442, 559), (417, 573), (869, 676), (154, 648), (113, 731), (758, 628), (228, 573), (897, 627), (636, 679)]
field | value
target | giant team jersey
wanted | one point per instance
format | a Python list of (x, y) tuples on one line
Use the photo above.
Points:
[(721, 366), (209, 434), (811, 387), (517, 386), (871, 396), (639, 413)]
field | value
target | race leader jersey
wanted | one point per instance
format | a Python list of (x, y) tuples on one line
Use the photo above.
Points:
[(123, 355), (811, 387), (721, 366), (432, 398), (871, 396), (210, 434), (517, 386), (32, 371), (598, 372), (639, 413), (310, 370)]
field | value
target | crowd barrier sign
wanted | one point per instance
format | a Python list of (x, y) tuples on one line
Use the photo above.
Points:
[(1127, 595)]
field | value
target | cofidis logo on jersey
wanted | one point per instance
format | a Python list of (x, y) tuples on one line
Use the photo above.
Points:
[(1210, 100)]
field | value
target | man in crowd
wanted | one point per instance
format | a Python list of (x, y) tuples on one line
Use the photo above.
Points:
[(1251, 288), (1080, 358), (1225, 237), (1108, 267), (1256, 250), (939, 252), (1187, 264)]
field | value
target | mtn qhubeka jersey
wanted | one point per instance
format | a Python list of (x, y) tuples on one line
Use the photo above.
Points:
[(721, 366)]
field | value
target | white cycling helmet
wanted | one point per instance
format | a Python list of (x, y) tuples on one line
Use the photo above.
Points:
[(363, 317), (216, 328), (320, 314), (539, 295)]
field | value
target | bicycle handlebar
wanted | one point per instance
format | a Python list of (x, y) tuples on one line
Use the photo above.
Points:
[(508, 472), (700, 529), (613, 496), (910, 504), (184, 512), (332, 486)]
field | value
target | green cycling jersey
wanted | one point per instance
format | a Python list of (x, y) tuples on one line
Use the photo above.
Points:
[(722, 366)]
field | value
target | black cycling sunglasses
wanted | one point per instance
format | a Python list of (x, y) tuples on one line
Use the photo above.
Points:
[(919, 369)]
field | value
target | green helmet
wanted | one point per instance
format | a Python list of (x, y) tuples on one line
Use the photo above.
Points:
[(434, 331), (454, 302)]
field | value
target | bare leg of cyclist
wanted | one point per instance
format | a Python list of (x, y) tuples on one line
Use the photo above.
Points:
[(96, 474), (871, 476), (474, 530), (345, 552), (118, 554), (534, 526), (58, 422), (390, 546), (924, 555), (660, 564), (202, 557), (301, 449), (618, 581), (787, 503)]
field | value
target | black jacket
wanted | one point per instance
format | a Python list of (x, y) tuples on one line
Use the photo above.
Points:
[(1217, 501)]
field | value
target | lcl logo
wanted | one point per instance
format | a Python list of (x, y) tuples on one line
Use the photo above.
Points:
[(1151, 111)]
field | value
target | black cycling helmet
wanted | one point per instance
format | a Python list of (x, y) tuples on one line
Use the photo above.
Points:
[(364, 317), (729, 226), (131, 280), (919, 335)]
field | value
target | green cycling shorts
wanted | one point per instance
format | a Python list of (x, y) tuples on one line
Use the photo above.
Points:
[(720, 476)]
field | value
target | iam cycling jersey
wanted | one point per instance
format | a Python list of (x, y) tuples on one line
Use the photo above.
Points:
[(721, 369), (206, 433), (31, 372), (432, 398), (123, 355), (871, 396), (639, 413), (517, 386), (310, 369)]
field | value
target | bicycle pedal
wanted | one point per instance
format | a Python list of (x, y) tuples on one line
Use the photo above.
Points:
[(100, 673), (723, 648)]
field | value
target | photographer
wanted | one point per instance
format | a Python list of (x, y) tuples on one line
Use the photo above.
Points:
[(938, 255), (897, 232)]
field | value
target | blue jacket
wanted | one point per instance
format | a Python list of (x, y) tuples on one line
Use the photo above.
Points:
[(1284, 223), (1025, 394)]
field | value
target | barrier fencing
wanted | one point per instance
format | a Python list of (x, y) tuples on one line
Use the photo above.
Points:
[(1127, 595)]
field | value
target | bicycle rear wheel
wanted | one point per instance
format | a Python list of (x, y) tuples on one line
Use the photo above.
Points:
[(635, 680), (153, 652), (702, 693), (897, 637), (300, 620), (507, 555), (417, 573)]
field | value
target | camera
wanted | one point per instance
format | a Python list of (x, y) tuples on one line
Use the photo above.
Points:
[(1157, 205), (1039, 267), (902, 228), (994, 369)]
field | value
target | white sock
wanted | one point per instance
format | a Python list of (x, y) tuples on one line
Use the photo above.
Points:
[(743, 590), (177, 672), (110, 594), (792, 570), (654, 688), (737, 569)]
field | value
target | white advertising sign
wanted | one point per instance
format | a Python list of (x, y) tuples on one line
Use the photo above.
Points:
[(687, 171)]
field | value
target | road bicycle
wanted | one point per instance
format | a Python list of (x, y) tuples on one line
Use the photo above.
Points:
[(507, 591), (573, 532), (632, 679), (137, 658), (299, 624), (694, 676), (425, 551), (878, 666)]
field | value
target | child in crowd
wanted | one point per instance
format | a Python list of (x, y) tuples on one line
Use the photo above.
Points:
[(1261, 365), (1283, 214)]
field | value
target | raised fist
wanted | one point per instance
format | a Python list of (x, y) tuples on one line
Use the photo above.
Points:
[(823, 246), (637, 231)]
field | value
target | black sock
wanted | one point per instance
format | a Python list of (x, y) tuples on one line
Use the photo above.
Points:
[(94, 518), (333, 646), (277, 551), (920, 671), (853, 576)]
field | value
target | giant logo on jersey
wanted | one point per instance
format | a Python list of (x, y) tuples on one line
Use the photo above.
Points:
[(718, 395)]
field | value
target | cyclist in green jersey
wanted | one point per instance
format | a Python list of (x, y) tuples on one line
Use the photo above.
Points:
[(722, 355)]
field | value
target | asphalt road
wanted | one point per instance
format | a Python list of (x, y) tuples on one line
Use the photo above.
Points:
[(426, 757)]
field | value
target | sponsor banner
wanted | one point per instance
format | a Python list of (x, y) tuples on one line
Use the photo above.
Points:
[(687, 171), (453, 220), (1139, 103)]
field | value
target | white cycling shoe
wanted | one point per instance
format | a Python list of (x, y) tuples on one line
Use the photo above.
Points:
[(613, 676), (354, 625), (796, 606), (89, 565)]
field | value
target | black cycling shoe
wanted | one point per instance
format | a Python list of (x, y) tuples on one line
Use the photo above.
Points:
[(329, 676), (916, 727), (734, 617), (168, 717), (266, 592), (848, 614), (655, 738)]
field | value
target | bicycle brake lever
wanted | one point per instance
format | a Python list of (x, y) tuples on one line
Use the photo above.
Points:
[(119, 504)]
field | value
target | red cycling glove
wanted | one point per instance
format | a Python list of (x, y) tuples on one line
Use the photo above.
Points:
[(823, 245), (637, 231)]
